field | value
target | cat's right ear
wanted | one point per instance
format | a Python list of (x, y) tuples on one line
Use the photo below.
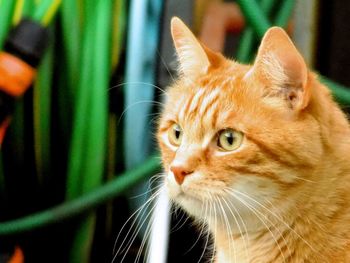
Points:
[(194, 58), (282, 69)]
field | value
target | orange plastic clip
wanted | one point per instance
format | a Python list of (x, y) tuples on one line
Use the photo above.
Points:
[(17, 256), (3, 128), (15, 75)]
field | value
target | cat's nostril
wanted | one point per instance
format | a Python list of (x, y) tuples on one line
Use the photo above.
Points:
[(180, 173)]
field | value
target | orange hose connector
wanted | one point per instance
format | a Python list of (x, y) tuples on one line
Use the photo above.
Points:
[(17, 256), (3, 128), (16, 76)]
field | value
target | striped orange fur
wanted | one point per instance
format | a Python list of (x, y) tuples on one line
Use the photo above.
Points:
[(283, 195)]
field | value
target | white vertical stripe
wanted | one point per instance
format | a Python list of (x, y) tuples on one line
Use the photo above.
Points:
[(158, 245)]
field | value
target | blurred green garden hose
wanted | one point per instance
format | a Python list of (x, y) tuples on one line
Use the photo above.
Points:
[(254, 16), (245, 48), (118, 34), (28, 7), (89, 139), (42, 115), (284, 13), (83, 203), (340, 92), (72, 43), (46, 11), (7, 9), (82, 96), (6, 12), (246, 42)]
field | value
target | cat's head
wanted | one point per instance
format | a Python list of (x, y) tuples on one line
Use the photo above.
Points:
[(230, 133)]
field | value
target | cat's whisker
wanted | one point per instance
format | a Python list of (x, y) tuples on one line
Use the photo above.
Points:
[(204, 230), (158, 180), (154, 121), (260, 216), (178, 226), (165, 65), (134, 235), (155, 178), (175, 209), (146, 237), (316, 224), (149, 190), (276, 216), (304, 216), (304, 179), (281, 220), (136, 231), (128, 240), (229, 231), (137, 213), (208, 234), (137, 83), (155, 115), (245, 237), (140, 212), (202, 226), (137, 103), (215, 227)]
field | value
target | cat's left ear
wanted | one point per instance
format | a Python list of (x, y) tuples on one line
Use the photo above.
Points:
[(282, 70), (194, 58)]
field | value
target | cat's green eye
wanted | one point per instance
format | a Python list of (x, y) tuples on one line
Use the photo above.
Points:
[(175, 134), (229, 139)]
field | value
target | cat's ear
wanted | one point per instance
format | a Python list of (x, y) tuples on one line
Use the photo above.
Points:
[(282, 69), (194, 58)]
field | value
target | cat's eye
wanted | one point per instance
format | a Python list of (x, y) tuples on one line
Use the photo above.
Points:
[(229, 139), (175, 134)]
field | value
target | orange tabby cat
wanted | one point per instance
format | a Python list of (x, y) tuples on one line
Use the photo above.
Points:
[(258, 154)]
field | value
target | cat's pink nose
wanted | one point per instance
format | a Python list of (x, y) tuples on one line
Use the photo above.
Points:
[(179, 173)]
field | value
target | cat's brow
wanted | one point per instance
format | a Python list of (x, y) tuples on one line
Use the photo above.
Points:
[(208, 101), (195, 101), (185, 104)]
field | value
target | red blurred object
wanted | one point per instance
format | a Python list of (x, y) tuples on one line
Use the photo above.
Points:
[(17, 256), (220, 18)]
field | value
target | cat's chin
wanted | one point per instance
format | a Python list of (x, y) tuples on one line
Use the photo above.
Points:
[(192, 205)]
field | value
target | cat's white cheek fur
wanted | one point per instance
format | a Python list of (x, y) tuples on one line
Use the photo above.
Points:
[(251, 192), (221, 258)]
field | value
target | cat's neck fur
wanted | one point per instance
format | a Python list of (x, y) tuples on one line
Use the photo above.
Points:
[(300, 232)]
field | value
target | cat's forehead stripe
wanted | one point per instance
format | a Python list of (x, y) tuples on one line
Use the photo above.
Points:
[(208, 101), (203, 104), (195, 101), (184, 104)]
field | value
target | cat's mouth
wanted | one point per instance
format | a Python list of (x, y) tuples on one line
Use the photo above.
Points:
[(183, 192)]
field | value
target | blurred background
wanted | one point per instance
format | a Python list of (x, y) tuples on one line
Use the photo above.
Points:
[(80, 91)]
